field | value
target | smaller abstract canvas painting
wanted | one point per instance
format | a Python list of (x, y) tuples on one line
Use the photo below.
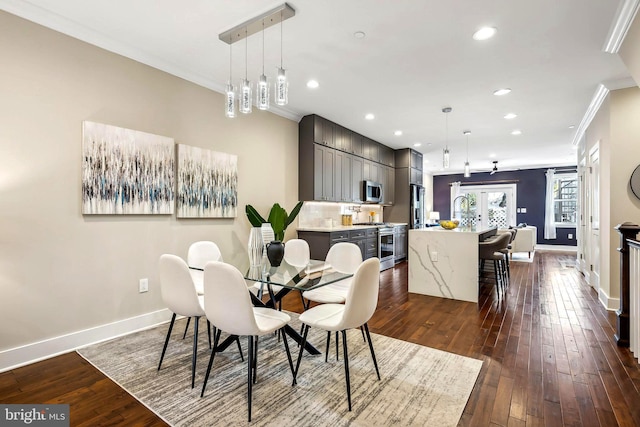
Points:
[(207, 183), (126, 171)]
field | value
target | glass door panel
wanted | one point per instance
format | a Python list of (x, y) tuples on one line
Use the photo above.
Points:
[(485, 206)]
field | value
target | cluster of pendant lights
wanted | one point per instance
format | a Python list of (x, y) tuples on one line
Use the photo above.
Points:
[(445, 153), (244, 93)]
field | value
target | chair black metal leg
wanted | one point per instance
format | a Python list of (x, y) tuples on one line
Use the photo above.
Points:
[(213, 355), (326, 353), (239, 348), (166, 341), (304, 341), (209, 332), (186, 328), (195, 352), (363, 337), (249, 375), (346, 366), (255, 360), (286, 347), (302, 299), (373, 353), (337, 346)]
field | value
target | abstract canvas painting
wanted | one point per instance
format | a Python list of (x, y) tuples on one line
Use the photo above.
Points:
[(207, 183), (125, 171)]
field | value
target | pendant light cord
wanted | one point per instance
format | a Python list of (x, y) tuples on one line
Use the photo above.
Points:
[(263, 47), (246, 50), (280, 39)]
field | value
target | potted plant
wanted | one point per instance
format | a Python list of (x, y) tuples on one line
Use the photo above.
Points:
[(279, 220)]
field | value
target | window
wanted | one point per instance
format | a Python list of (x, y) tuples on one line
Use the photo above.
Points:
[(565, 199)]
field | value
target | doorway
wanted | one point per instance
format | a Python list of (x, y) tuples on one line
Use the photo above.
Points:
[(593, 194), (484, 206)]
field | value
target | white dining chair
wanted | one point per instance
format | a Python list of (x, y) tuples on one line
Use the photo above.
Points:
[(361, 303), (228, 307), (179, 294), (198, 255), (342, 257)]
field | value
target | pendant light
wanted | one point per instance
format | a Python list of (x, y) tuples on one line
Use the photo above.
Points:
[(245, 88), (282, 85), (262, 91), (230, 93), (445, 152), (467, 169)]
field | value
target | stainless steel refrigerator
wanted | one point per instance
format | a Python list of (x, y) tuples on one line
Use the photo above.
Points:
[(416, 206)]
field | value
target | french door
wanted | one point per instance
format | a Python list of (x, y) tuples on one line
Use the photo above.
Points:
[(484, 206)]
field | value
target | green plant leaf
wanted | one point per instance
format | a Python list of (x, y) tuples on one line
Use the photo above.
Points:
[(254, 217), (293, 214), (277, 218)]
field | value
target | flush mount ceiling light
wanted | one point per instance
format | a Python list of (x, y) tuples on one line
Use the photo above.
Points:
[(484, 33), (510, 116), (369, 116), (254, 25), (398, 133), (467, 168), (445, 152), (312, 84), (501, 92), (516, 132)]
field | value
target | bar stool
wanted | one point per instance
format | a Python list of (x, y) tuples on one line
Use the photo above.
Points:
[(491, 250)]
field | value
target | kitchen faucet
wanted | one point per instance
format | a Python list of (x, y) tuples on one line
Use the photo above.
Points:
[(467, 216)]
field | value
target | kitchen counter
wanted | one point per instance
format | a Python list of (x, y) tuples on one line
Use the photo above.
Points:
[(444, 263), (344, 227)]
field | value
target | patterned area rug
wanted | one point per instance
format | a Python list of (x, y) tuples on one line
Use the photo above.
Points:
[(419, 385)]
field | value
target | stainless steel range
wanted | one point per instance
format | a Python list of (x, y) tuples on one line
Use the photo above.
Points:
[(386, 247)]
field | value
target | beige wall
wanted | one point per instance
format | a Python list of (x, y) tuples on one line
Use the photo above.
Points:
[(625, 157), (630, 50), (61, 271)]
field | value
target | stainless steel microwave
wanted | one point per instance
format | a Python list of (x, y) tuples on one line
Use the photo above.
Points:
[(372, 192)]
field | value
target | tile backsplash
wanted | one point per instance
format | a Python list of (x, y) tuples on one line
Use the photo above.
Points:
[(323, 214)]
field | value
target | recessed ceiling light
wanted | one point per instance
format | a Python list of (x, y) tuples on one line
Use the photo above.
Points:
[(417, 144), (492, 155), (369, 116), (572, 126), (574, 147), (425, 160), (398, 133), (516, 132), (312, 84), (359, 34), (501, 92), (510, 116), (484, 33)]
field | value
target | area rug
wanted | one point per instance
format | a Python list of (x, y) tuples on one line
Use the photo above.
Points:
[(419, 385), (522, 256)]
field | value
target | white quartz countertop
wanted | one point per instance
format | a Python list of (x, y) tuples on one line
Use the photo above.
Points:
[(344, 227), (455, 230)]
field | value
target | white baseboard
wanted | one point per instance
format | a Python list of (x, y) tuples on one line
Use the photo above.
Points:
[(610, 304), (563, 248), (34, 352)]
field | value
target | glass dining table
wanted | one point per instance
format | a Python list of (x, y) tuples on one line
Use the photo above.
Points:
[(279, 281)]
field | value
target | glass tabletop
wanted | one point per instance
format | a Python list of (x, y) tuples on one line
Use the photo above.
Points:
[(311, 276)]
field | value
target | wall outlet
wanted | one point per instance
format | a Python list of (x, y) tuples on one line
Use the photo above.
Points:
[(523, 210), (570, 236), (434, 256), (143, 286)]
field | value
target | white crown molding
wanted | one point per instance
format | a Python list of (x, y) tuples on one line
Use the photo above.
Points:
[(597, 100), (76, 30), (616, 84), (620, 25)]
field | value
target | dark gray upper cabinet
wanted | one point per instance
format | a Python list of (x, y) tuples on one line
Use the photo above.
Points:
[(408, 158), (333, 161)]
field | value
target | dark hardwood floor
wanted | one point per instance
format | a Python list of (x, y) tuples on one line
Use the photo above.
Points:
[(547, 346)]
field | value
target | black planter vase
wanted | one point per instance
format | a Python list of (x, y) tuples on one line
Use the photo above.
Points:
[(275, 252)]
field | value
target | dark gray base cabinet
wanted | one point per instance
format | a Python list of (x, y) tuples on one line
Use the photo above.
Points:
[(320, 241), (400, 242)]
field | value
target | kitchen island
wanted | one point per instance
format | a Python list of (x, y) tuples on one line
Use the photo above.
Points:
[(444, 263)]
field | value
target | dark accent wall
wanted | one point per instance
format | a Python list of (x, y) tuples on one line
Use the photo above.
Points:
[(530, 194)]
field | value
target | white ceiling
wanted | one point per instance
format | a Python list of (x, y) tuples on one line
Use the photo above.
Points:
[(417, 57)]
